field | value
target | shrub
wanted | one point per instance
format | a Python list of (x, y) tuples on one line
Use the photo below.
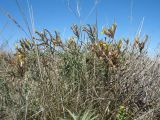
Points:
[(50, 77)]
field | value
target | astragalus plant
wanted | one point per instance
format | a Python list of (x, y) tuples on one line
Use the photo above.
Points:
[(50, 79)]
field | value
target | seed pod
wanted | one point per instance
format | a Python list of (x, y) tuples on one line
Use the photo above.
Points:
[(110, 32), (119, 45), (136, 40)]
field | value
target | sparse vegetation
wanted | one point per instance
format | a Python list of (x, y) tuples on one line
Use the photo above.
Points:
[(52, 79)]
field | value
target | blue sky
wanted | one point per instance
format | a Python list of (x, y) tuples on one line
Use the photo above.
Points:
[(56, 15)]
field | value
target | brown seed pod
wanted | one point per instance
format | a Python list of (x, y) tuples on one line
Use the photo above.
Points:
[(136, 41)]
